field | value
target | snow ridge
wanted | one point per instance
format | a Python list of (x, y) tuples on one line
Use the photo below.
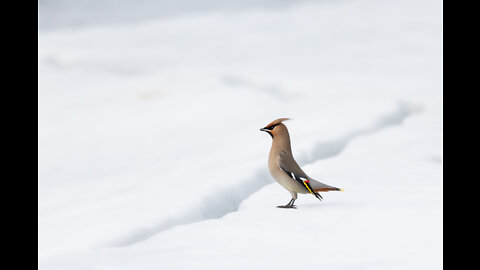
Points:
[(216, 205), (331, 148)]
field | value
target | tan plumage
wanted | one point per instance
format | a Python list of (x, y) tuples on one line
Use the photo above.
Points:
[(285, 169)]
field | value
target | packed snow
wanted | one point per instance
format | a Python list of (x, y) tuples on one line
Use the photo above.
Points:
[(150, 154)]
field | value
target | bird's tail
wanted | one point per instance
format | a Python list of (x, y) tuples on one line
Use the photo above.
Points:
[(318, 186), (324, 189)]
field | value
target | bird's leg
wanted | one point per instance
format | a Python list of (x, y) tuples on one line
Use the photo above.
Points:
[(289, 204)]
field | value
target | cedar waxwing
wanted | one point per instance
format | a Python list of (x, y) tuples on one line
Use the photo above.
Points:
[(285, 169)]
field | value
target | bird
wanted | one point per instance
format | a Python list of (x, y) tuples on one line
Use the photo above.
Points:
[(285, 170)]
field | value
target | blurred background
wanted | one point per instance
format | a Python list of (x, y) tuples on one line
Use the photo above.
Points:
[(56, 14), (149, 117)]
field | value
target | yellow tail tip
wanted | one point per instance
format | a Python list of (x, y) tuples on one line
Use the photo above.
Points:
[(340, 189)]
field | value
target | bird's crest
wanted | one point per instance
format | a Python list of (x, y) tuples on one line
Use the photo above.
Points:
[(276, 122)]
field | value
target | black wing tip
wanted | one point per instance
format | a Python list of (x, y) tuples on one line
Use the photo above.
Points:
[(318, 196)]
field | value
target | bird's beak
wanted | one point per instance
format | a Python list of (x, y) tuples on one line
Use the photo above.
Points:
[(268, 131)]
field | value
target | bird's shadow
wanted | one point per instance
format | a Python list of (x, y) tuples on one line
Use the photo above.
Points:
[(323, 205)]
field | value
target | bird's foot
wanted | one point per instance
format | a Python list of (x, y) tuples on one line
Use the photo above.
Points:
[(287, 206)]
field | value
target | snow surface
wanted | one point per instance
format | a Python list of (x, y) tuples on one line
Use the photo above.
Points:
[(150, 154)]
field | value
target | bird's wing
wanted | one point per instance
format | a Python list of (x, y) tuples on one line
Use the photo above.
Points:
[(291, 168)]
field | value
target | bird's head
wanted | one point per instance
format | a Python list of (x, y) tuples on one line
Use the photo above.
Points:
[(275, 127)]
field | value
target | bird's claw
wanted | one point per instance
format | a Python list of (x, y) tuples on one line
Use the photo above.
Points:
[(287, 206)]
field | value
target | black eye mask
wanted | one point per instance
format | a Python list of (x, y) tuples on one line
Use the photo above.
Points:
[(272, 127)]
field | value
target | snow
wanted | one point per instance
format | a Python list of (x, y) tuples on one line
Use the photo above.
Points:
[(150, 154)]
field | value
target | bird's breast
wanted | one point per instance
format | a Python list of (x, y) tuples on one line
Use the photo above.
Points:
[(282, 178)]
